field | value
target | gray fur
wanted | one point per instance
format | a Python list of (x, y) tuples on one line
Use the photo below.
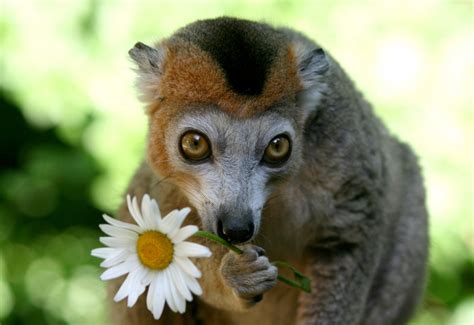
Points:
[(369, 248), (149, 61), (349, 204)]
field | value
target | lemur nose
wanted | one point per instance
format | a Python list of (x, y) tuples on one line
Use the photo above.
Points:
[(235, 233)]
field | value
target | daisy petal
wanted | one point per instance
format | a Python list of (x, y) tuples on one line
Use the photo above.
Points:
[(158, 298), (179, 282), (187, 266), (118, 257), (171, 223), (192, 284), (103, 252), (147, 214), (124, 289), (155, 210), (189, 249), (184, 233), (145, 204), (167, 288), (137, 211), (118, 270), (118, 232), (149, 295), (114, 272), (133, 209), (166, 224), (136, 288), (183, 213), (135, 294), (149, 277), (117, 242), (121, 224), (178, 299)]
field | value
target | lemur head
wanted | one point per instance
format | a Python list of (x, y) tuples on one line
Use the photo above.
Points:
[(227, 102)]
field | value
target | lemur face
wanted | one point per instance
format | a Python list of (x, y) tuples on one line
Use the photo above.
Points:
[(228, 166), (227, 101)]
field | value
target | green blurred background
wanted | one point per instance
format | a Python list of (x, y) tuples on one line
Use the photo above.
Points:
[(72, 131)]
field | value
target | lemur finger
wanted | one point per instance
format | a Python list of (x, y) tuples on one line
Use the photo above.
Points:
[(260, 251), (254, 279), (249, 254), (244, 266), (250, 291), (269, 274), (262, 263)]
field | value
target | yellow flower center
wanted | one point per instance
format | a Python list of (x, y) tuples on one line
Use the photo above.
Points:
[(155, 250)]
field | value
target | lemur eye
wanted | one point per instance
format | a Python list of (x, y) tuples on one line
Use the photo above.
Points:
[(278, 150), (195, 146)]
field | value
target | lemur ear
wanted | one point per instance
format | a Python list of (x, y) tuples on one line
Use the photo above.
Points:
[(313, 64), (149, 61)]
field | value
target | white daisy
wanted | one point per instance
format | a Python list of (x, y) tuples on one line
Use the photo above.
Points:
[(153, 252)]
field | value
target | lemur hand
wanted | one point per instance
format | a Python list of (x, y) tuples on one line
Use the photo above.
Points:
[(250, 274)]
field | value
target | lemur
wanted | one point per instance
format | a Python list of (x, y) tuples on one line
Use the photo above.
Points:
[(262, 133)]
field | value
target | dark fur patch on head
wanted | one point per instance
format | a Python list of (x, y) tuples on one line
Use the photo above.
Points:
[(244, 50)]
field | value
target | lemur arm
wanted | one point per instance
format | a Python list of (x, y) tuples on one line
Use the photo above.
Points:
[(216, 292), (341, 279), (341, 264)]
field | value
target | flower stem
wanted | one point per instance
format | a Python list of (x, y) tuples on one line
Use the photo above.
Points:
[(300, 282), (219, 240)]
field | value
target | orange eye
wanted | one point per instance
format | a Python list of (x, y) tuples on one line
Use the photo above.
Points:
[(278, 150), (195, 146)]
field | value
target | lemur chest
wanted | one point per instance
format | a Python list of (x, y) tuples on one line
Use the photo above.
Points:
[(278, 307)]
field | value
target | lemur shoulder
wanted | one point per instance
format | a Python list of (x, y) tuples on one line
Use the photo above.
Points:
[(262, 133)]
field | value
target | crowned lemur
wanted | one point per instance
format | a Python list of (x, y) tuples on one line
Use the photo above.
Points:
[(261, 132)]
